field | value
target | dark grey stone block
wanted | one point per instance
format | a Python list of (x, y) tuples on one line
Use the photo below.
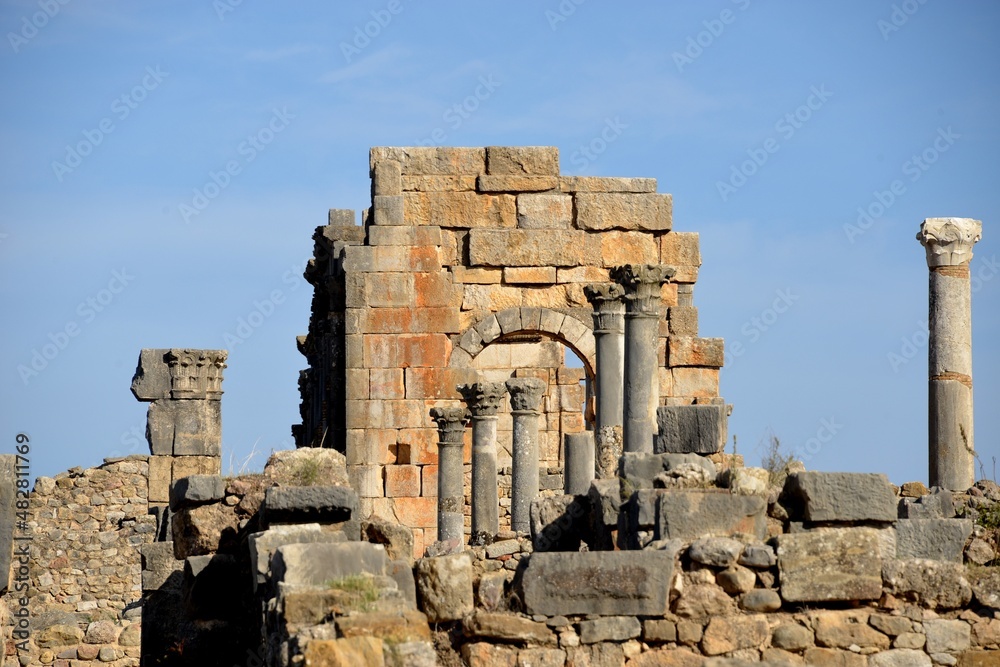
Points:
[(610, 583), (688, 515), (152, 376), (262, 545), (932, 539), (935, 505), (560, 523), (310, 504), (185, 428), (196, 490), (211, 584), (697, 429), (839, 497), (158, 564)]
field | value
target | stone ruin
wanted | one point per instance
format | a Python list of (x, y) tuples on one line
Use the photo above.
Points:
[(462, 496)]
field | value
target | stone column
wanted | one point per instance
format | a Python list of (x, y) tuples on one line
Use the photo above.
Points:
[(525, 396), (642, 329), (483, 399), (609, 335), (451, 431), (948, 242), (578, 472)]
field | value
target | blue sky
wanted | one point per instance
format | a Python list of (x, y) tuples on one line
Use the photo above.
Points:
[(164, 165)]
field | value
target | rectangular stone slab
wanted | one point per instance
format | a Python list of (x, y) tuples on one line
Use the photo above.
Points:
[(688, 515), (839, 496), (532, 247), (830, 564), (618, 583), (932, 539), (691, 429)]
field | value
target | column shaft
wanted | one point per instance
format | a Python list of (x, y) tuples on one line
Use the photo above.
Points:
[(951, 448), (525, 395), (483, 399), (451, 430), (609, 335), (579, 470)]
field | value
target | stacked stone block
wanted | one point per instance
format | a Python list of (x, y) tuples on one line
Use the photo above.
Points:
[(184, 425), (464, 249)]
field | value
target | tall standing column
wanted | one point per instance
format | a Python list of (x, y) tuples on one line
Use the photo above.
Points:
[(483, 399), (609, 335), (451, 430), (642, 329), (525, 396), (948, 242)]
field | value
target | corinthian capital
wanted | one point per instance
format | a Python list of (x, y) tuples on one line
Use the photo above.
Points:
[(949, 241), (483, 398)]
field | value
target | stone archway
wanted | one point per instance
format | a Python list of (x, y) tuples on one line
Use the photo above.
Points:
[(574, 333)]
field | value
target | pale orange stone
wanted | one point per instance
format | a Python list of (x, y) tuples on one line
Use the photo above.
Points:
[(416, 512), (402, 481)]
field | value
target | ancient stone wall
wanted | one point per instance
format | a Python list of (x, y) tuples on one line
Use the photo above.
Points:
[(463, 249), (84, 571)]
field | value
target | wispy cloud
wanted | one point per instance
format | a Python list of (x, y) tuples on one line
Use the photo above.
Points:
[(272, 55), (376, 63)]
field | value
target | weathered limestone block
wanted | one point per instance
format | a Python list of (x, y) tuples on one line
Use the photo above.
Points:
[(544, 211), (152, 376), (431, 160), (694, 351), (680, 249), (619, 583), (697, 429), (185, 466), (947, 636), (731, 633), (196, 490), (397, 539), (932, 584), (387, 210), (682, 320), (839, 496), (900, 657), (599, 211), (826, 565), (263, 544), (507, 627), (318, 563), (846, 628), (405, 236), (937, 505), (715, 551), (311, 504), (460, 210), (606, 184), (986, 586), (158, 565), (204, 529), (387, 178), (687, 515), (609, 629), (932, 539), (185, 427), (702, 601), (485, 654), (515, 184), (346, 652), (618, 248), (444, 585), (522, 160), (792, 637), (532, 247)]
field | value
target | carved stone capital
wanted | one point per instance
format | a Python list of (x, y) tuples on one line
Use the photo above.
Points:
[(949, 241), (525, 394), (451, 424), (483, 398), (642, 286), (609, 306), (196, 373)]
